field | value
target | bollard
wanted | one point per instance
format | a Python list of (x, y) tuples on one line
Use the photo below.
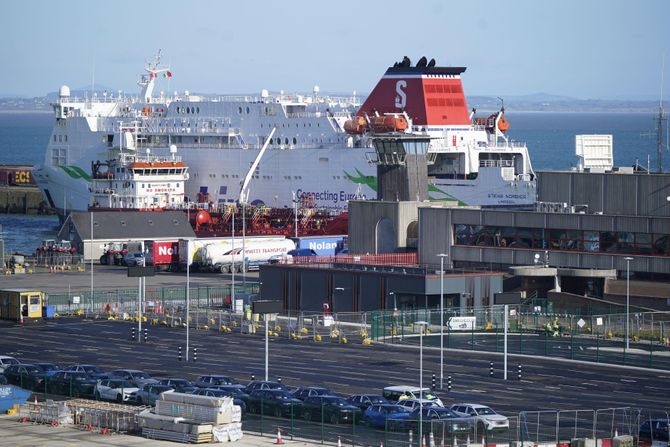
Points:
[(253, 377), (434, 386), (145, 335), (410, 437), (491, 369), (519, 371), (132, 334), (279, 379), (180, 353), (448, 383), (195, 355)]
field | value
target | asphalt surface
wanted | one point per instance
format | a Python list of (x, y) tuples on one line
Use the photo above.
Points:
[(352, 368), (546, 384)]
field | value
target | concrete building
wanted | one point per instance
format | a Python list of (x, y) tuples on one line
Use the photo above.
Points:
[(359, 287)]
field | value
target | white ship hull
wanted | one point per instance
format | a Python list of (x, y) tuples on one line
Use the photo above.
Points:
[(309, 159)]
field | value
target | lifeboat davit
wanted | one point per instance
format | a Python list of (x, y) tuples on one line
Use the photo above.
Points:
[(388, 123), (356, 126)]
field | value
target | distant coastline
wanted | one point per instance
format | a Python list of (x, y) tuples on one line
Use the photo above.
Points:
[(529, 103)]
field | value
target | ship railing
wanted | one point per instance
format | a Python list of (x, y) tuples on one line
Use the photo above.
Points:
[(496, 163)]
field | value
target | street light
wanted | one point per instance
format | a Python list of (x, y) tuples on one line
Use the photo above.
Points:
[(442, 256), (627, 259), (422, 325)]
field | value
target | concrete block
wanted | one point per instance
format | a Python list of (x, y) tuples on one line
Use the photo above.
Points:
[(622, 441)]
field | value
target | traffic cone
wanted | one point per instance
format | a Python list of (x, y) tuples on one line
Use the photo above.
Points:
[(278, 441), (339, 441), (423, 441), (455, 441), (483, 440), (20, 317), (616, 432), (431, 439), (467, 441)]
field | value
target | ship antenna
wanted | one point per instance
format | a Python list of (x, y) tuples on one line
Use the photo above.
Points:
[(661, 118)]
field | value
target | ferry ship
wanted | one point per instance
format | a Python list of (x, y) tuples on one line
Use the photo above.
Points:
[(311, 157)]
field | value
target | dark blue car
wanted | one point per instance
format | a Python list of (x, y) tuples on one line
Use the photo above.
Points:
[(377, 415)]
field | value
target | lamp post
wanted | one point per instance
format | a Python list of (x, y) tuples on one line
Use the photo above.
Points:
[(422, 325), (627, 259), (442, 256)]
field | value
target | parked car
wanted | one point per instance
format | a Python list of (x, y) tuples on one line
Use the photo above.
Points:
[(150, 393), (213, 380), (234, 391), (26, 376), (413, 404), (5, 361), (363, 401), (455, 423), (304, 393), (653, 431), (92, 371), (137, 377), (331, 409), (377, 415), (134, 259), (401, 392), (117, 390), (489, 418), (217, 392), (264, 385), (72, 383), (179, 385), (275, 402), (49, 368)]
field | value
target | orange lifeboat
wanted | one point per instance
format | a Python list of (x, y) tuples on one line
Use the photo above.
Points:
[(389, 123), (503, 124), (356, 126)]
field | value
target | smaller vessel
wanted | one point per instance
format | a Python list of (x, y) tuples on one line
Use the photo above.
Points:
[(129, 180)]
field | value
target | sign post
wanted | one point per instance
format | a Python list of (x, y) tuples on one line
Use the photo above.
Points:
[(140, 272), (266, 307)]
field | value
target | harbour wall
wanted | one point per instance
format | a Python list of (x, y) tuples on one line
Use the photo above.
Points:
[(23, 200)]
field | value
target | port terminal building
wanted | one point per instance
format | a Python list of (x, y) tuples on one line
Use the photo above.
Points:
[(587, 231)]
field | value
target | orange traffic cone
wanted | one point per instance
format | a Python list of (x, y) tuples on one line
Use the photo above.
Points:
[(339, 441), (483, 441), (278, 441), (423, 441)]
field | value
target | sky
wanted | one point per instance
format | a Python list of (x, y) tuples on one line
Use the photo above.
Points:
[(585, 49)]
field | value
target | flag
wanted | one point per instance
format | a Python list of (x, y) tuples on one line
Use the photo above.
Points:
[(152, 75), (167, 74)]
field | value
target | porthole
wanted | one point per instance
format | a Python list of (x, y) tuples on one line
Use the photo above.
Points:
[(295, 141), (247, 110), (239, 110)]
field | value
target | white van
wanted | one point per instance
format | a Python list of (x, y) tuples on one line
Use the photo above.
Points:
[(402, 392)]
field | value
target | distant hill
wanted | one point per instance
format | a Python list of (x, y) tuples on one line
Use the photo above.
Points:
[(536, 102)]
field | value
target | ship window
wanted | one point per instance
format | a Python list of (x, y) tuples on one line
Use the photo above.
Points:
[(60, 138), (54, 138), (197, 109), (239, 110), (65, 136), (223, 189), (295, 141), (286, 141), (247, 110)]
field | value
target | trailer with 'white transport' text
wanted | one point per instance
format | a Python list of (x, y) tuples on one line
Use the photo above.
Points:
[(191, 253)]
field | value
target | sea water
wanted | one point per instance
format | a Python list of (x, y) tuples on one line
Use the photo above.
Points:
[(550, 138)]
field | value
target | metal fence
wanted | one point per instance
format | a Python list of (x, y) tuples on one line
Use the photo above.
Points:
[(598, 338)]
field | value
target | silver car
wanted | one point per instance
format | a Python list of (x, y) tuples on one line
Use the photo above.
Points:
[(489, 418), (150, 393), (117, 390)]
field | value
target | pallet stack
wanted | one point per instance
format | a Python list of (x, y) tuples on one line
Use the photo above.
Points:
[(195, 419)]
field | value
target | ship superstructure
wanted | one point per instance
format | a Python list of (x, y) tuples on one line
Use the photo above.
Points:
[(309, 158)]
